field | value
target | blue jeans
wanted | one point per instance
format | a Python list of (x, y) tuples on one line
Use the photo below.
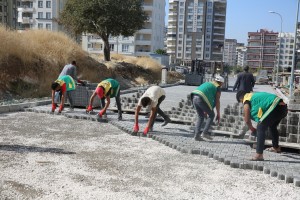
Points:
[(201, 107), (271, 121)]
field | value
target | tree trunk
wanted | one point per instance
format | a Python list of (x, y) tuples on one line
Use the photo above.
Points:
[(106, 49)]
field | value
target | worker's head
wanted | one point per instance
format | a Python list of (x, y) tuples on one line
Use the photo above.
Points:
[(246, 69), (73, 62), (145, 101), (55, 86), (240, 96), (100, 92), (219, 79)]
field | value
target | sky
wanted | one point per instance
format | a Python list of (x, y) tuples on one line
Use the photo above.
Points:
[(243, 16)]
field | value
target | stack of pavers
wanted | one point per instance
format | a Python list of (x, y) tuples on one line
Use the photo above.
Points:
[(82, 95)]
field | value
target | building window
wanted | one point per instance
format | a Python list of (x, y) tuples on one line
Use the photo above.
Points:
[(112, 47), (48, 15), (48, 26), (180, 30), (40, 15), (40, 25), (125, 47), (181, 3), (48, 4), (181, 10), (40, 4)]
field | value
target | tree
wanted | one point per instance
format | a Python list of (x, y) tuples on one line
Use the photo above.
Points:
[(160, 51), (103, 17)]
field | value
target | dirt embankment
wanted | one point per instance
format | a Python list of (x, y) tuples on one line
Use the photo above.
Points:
[(31, 60)]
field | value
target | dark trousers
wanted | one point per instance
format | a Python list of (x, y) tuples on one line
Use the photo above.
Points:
[(271, 122), (159, 111), (118, 101), (201, 107)]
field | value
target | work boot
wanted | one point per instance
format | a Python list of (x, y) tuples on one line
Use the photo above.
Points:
[(197, 137), (119, 115), (168, 120)]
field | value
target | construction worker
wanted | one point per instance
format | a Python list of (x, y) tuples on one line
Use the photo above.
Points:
[(107, 89), (70, 69), (64, 85), (267, 110), (205, 98), (152, 97)]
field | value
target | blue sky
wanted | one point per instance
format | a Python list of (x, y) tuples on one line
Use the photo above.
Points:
[(245, 16)]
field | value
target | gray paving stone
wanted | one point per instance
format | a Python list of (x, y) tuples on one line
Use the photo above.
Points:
[(297, 181), (289, 178)]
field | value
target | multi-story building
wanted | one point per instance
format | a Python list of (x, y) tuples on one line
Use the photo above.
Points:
[(39, 14), (143, 43), (196, 30), (229, 52), (286, 50), (241, 55), (8, 13), (261, 49)]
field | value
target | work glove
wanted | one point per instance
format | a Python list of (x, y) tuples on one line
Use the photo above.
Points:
[(81, 82), (146, 130), (89, 108), (61, 107), (136, 128), (101, 113), (253, 131), (53, 107)]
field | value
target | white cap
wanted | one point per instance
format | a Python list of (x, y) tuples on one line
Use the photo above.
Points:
[(219, 78)]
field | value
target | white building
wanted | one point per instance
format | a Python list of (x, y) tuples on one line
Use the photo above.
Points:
[(241, 56), (286, 49), (143, 43), (39, 14), (229, 52), (196, 30)]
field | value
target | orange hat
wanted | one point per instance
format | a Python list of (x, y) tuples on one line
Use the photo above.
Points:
[(100, 92)]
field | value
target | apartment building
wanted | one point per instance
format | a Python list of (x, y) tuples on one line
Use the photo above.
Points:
[(286, 50), (143, 43), (8, 13), (196, 30), (262, 49), (241, 55), (229, 52), (39, 14)]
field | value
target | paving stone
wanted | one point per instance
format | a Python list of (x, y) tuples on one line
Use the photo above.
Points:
[(274, 173), (297, 181)]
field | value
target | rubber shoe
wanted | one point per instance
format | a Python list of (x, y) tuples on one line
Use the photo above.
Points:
[(198, 138), (166, 122)]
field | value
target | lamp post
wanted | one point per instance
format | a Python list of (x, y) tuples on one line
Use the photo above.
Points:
[(294, 57), (277, 70)]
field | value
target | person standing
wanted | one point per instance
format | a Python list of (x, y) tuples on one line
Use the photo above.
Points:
[(64, 86), (245, 81), (205, 98), (107, 89), (152, 97), (267, 110)]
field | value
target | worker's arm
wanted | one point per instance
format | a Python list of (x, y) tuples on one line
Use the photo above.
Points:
[(52, 97), (92, 98), (247, 117), (106, 104), (218, 96), (62, 103), (136, 119)]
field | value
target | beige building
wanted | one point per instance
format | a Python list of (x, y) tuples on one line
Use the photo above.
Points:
[(229, 52), (262, 49)]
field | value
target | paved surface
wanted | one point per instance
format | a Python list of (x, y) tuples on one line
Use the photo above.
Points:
[(233, 152)]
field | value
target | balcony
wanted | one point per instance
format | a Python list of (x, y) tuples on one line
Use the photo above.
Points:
[(143, 42), (28, 0), (26, 9), (145, 31), (25, 20)]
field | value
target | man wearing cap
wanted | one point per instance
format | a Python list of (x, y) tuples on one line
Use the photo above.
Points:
[(267, 110), (107, 89), (205, 98), (70, 69), (64, 85), (152, 97), (245, 81)]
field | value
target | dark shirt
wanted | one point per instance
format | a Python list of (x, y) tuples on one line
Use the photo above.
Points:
[(245, 81)]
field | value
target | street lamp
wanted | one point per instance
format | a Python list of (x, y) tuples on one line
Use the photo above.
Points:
[(277, 70), (294, 57)]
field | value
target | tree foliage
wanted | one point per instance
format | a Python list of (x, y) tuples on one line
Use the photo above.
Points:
[(160, 52), (103, 17)]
